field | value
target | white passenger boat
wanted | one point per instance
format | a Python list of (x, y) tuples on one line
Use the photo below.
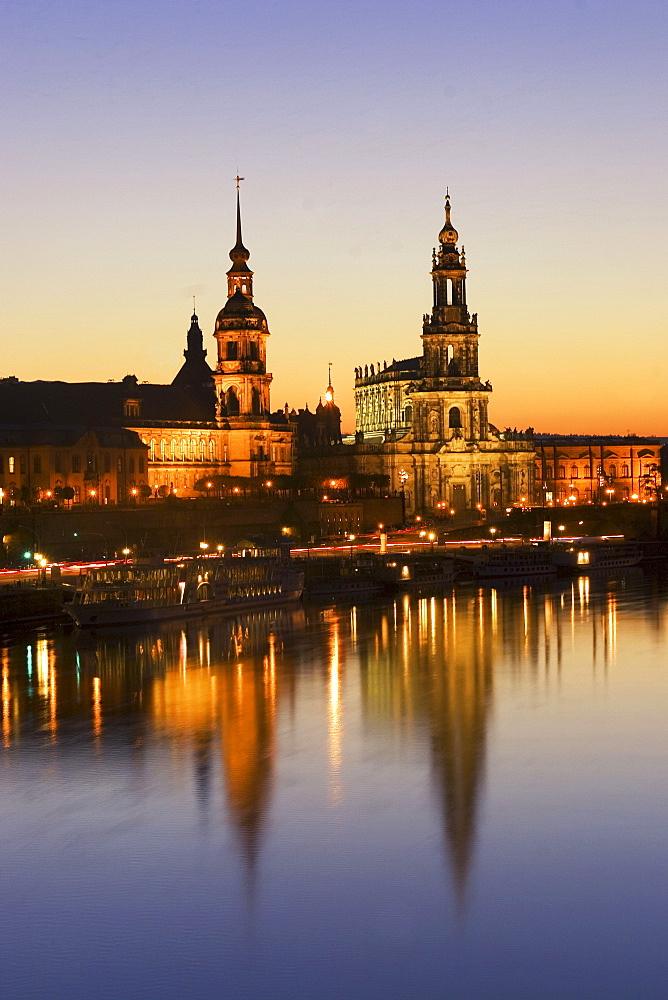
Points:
[(512, 562), (586, 555), (134, 593)]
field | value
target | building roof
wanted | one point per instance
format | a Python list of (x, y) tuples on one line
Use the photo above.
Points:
[(23, 435), (102, 403), (598, 439)]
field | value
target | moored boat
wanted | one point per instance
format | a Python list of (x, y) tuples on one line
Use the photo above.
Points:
[(587, 555), (508, 562), (134, 593), (408, 571)]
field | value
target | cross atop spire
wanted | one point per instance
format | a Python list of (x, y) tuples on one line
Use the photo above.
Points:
[(239, 180)]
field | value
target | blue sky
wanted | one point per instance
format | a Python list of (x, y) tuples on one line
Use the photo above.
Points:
[(126, 124)]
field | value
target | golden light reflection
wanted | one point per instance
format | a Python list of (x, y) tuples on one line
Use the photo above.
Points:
[(423, 621), (335, 733), (611, 626), (97, 709), (183, 653), (6, 702), (42, 666)]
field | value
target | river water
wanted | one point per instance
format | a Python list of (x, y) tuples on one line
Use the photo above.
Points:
[(458, 795)]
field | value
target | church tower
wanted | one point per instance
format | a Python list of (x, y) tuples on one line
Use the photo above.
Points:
[(427, 417), (450, 352), (253, 441), (242, 380)]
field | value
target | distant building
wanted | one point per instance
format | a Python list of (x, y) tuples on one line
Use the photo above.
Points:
[(578, 468), (424, 421)]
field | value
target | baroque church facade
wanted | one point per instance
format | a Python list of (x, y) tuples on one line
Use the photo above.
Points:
[(424, 421)]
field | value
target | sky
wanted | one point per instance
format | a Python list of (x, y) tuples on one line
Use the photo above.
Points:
[(125, 123)]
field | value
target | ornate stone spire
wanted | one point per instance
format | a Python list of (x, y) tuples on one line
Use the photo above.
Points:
[(239, 276), (448, 233), (195, 372), (329, 393)]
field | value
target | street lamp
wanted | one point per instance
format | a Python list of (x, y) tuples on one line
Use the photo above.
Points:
[(203, 546), (492, 532), (432, 538), (351, 539), (403, 476)]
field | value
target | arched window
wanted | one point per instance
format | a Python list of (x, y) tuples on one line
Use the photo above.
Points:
[(587, 472), (625, 470), (255, 402), (574, 472), (455, 417), (231, 350), (212, 452), (232, 402), (152, 447), (202, 451), (162, 449), (548, 471), (408, 414), (171, 449), (613, 472), (562, 472)]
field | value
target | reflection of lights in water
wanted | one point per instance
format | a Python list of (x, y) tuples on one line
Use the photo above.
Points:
[(353, 623), (29, 661), (611, 624), (269, 665), (334, 721), (573, 613), (525, 609), (493, 603), (384, 632), (6, 701), (42, 664), (432, 626), (46, 679), (583, 591), (97, 708), (422, 621), (183, 652)]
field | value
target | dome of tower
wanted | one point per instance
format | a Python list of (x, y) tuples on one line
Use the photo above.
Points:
[(240, 306), (448, 233)]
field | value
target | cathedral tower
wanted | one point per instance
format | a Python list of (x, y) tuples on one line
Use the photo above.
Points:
[(449, 400), (427, 417)]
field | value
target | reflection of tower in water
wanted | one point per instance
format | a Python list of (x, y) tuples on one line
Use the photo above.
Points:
[(436, 665), (247, 698), (210, 699)]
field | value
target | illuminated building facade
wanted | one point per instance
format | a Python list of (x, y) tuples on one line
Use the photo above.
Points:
[(578, 468), (99, 464), (426, 418)]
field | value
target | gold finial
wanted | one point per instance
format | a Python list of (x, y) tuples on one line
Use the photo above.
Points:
[(239, 180)]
